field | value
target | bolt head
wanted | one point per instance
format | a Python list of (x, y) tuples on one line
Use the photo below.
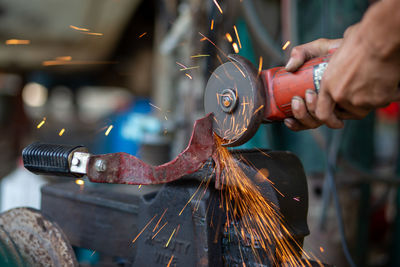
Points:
[(228, 100), (100, 165), (75, 162)]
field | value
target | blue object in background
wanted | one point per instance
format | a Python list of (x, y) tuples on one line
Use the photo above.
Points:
[(130, 126), (86, 256)]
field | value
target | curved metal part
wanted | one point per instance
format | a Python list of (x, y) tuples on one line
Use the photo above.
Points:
[(122, 168), (9, 254), (240, 124), (39, 241)]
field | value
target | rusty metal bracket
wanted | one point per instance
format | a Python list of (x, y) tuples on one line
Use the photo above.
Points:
[(123, 168)]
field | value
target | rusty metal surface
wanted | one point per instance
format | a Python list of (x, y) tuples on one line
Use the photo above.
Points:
[(39, 241), (9, 254), (123, 168)]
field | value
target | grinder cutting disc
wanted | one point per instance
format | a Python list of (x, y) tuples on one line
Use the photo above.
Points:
[(235, 96)]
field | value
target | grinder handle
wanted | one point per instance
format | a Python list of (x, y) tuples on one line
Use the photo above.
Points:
[(281, 86), (41, 158)]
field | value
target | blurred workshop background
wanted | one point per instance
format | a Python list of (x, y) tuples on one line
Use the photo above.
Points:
[(129, 76)]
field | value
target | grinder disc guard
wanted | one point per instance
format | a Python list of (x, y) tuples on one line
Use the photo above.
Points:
[(234, 95)]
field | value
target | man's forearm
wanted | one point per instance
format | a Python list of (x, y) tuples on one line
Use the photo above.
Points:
[(380, 28)]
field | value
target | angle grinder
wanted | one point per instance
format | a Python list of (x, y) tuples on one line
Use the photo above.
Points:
[(242, 97)]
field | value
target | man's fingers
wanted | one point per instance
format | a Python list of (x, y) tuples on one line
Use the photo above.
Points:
[(303, 119), (324, 111), (311, 101), (294, 125), (297, 58), (335, 43), (302, 53), (301, 113), (350, 29)]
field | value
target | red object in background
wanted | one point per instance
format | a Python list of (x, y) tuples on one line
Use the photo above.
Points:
[(379, 225), (390, 112)]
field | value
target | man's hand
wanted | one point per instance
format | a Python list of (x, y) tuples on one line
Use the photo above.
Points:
[(304, 111), (363, 74), (357, 80)]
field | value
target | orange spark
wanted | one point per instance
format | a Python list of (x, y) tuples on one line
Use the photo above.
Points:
[(79, 182), (61, 132), (180, 64), (17, 42), (170, 237), (212, 25), (321, 249), (262, 152), (190, 199), (177, 229), (258, 109), (200, 55), (170, 260), (139, 186), (259, 218), (228, 37), (218, 99), (262, 176), (237, 36), (220, 61), (159, 230), (144, 228), (190, 68), (65, 58), (205, 38), (109, 130), (143, 34), (285, 45), (41, 123), (79, 28), (222, 52), (260, 64), (159, 220), (76, 62), (296, 198), (219, 8), (235, 47), (101, 129), (93, 33), (188, 75)]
